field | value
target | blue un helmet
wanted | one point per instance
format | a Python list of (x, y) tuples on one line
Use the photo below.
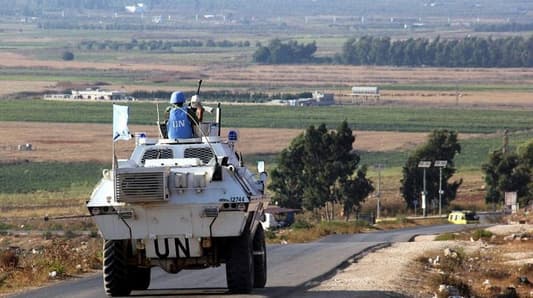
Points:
[(177, 97)]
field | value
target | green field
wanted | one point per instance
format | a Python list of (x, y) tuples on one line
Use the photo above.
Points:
[(474, 152), (48, 176), (82, 176), (403, 119)]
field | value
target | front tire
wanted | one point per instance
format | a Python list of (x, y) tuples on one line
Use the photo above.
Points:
[(260, 258), (239, 266), (140, 278), (115, 268)]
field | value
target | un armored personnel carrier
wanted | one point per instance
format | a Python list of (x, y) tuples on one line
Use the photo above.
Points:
[(181, 204)]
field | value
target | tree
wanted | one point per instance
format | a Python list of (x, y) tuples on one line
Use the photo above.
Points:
[(441, 145), (67, 56), (262, 55), (353, 191), (284, 53), (285, 178), (509, 172), (320, 168)]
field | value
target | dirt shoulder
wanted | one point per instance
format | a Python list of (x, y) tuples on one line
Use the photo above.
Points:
[(395, 271)]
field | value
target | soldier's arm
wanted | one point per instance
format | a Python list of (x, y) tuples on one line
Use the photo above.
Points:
[(167, 113)]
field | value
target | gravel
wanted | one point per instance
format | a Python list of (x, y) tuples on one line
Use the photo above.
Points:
[(385, 273)]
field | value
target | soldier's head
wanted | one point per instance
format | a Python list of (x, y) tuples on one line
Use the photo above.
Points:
[(177, 98)]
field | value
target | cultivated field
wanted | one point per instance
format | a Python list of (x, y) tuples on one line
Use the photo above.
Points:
[(428, 86), (92, 142)]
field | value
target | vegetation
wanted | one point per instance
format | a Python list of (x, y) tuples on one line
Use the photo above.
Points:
[(506, 27), (156, 45), (509, 172), (224, 95), (318, 169), (285, 53), (442, 145), (306, 232), (64, 256), (28, 177), (67, 56), (359, 118), (467, 52)]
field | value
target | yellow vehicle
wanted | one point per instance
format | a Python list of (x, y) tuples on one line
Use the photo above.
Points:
[(463, 217)]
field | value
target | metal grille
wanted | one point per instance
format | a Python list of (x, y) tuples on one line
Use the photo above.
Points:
[(143, 185), (157, 154), (203, 153)]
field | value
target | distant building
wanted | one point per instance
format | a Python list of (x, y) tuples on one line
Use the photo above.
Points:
[(364, 93), (91, 94), (324, 99), (318, 99), (136, 8)]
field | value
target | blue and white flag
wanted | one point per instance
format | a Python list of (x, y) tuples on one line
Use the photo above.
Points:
[(120, 123)]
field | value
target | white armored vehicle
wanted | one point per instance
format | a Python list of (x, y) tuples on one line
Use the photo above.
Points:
[(181, 204)]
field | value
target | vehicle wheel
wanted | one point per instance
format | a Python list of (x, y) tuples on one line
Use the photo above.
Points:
[(115, 268), (240, 265), (260, 258), (139, 278)]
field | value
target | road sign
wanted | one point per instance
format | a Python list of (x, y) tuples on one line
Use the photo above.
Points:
[(510, 198), (424, 164), (441, 163)]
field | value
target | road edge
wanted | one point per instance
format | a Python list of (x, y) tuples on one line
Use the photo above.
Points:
[(344, 264)]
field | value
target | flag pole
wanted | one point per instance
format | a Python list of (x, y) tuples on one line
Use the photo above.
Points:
[(113, 169), (120, 132)]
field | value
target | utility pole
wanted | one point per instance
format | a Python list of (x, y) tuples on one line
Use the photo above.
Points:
[(378, 167), (424, 165), (440, 164)]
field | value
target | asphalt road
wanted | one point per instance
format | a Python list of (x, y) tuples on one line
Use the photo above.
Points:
[(292, 268)]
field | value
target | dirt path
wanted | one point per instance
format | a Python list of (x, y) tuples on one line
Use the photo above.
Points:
[(383, 273), (389, 272)]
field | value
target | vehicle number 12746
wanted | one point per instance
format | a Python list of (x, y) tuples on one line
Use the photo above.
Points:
[(237, 199)]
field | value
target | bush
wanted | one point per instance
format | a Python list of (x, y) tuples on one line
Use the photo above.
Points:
[(477, 234), (67, 56), (269, 234), (302, 224), (445, 237), (5, 226)]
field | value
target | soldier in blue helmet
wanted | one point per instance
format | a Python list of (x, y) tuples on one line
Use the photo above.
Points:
[(179, 119)]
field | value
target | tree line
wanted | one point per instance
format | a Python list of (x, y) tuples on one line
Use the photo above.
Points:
[(507, 27), (277, 52), (320, 168), (156, 45), (467, 52), (71, 25), (221, 95)]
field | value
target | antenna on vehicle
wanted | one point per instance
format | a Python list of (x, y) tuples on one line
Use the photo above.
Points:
[(158, 120), (199, 86)]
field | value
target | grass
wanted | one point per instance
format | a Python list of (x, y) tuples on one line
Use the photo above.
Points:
[(460, 88), (359, 118), (474, 151), (48, 177), (306, 231)]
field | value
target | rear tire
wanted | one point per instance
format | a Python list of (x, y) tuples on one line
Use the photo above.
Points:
[(260, 258), (240, 265), (115, 268), (139, 278)]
